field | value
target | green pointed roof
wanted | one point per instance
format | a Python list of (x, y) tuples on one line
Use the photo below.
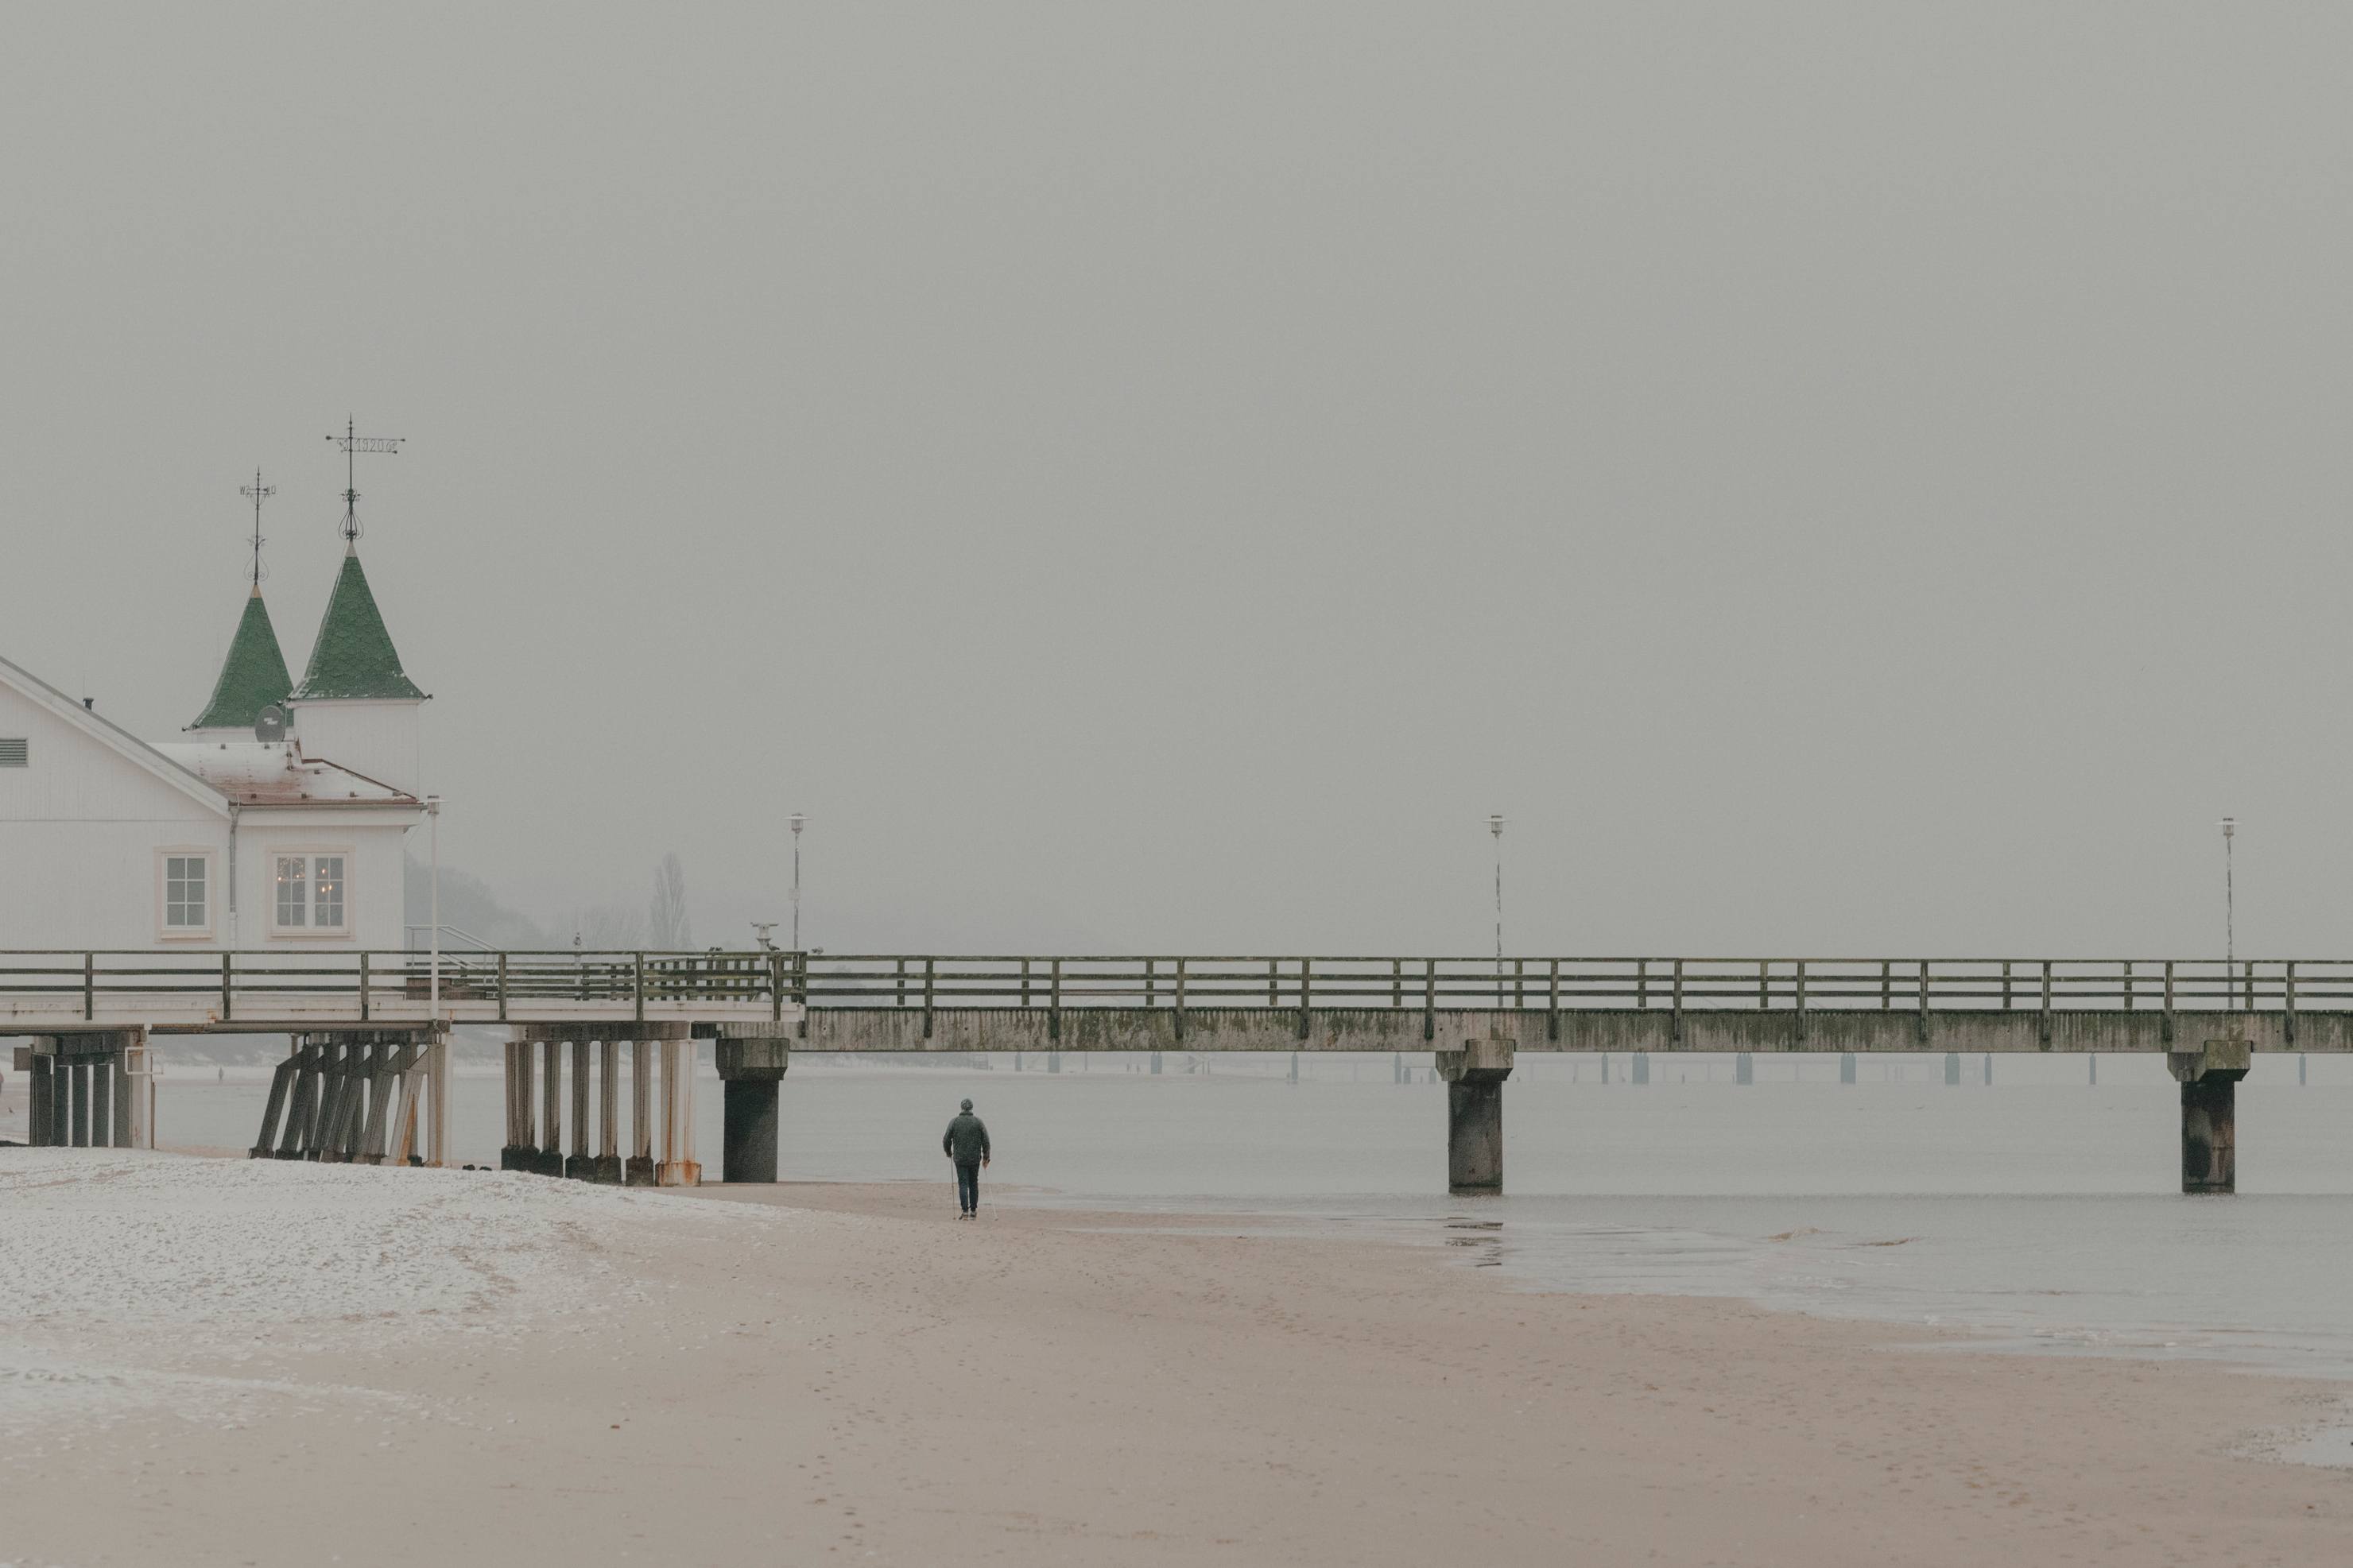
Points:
[(353, 656), (252, 677)]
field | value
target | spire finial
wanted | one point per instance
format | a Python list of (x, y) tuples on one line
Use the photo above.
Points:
[(260, 493), (353, 444)]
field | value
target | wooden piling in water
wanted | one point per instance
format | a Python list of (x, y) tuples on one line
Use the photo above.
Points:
[(639, 1170)]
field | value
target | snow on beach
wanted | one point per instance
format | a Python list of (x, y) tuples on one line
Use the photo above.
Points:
[(114, 1254)]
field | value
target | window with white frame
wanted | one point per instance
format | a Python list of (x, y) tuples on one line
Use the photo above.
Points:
[(186, 877), (312, 894)]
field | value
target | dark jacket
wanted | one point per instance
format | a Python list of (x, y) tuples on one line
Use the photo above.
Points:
[(966, 1140)]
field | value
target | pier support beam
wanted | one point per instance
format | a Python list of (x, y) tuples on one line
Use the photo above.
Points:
[(678, 1167), (1743, 1068), (1640, 1071), (750, 1072), (60, 1101), (550, 1162), (606, 1167), (2210, 1092), (1952, 1069), (1846, 1067), (1475, 1114), (40, 1115), (519, 1150), (581, 1164), (638, 1171), (101, 1100)]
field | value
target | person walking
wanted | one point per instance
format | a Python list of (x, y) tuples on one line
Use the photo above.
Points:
[(966, 1144)]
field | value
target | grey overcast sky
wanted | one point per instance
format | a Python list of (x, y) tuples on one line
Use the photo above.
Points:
[(1863, 479)]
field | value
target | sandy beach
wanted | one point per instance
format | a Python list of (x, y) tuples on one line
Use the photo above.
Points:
[(222, 1361)]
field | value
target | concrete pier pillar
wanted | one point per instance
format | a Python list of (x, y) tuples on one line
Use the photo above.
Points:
[(1053, 1061), (1743, 1068), (1156, 1064), (1952, 1069), (2300, 1064), (1294, 1066), (2094, 1062), (2210, 1090), (751, 1071), (1642, 1068), (1605, 1066), (77, 1101), (40, 1117), (1846, 1067), (101, 1100), (1987, 1071), (1475, 1114)]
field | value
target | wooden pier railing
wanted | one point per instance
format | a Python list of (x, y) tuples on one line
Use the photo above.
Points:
[(1713, 984), (217, 990)]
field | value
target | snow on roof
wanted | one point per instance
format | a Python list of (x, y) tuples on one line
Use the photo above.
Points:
[(276, 772)]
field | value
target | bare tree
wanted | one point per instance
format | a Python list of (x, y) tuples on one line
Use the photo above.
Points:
[(672, 931)]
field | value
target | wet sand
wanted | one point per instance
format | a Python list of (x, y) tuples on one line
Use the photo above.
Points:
[(852, 1373)]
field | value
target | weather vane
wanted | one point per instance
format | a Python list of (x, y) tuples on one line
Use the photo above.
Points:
[(260, 493), (353, 444)]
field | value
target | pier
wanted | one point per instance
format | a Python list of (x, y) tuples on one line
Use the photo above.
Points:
[(370, 1030)]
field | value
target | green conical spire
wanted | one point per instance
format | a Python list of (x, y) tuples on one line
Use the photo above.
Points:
[(353, 656), (252, 677)]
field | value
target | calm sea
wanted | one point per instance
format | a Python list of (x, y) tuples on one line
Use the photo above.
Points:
[(2040, 1208)]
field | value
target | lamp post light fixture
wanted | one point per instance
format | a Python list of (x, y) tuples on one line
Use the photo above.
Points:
[(799, 820), (433, 814), (2229, 903)]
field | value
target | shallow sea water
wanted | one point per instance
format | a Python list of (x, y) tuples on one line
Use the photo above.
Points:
[(2040, 1209)]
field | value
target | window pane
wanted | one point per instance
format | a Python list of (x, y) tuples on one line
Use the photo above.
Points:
[(293, 886), (183, 892), (327, 890)]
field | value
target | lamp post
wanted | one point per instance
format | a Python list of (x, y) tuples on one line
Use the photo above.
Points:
[(2230, 914), (1495, 827), (433, 815), (798, 821)]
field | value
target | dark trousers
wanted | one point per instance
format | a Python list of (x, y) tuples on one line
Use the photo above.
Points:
[(968, 1187)]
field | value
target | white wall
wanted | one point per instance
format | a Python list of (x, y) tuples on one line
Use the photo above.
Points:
[(81, 827), (378, 739), (79, 831)]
